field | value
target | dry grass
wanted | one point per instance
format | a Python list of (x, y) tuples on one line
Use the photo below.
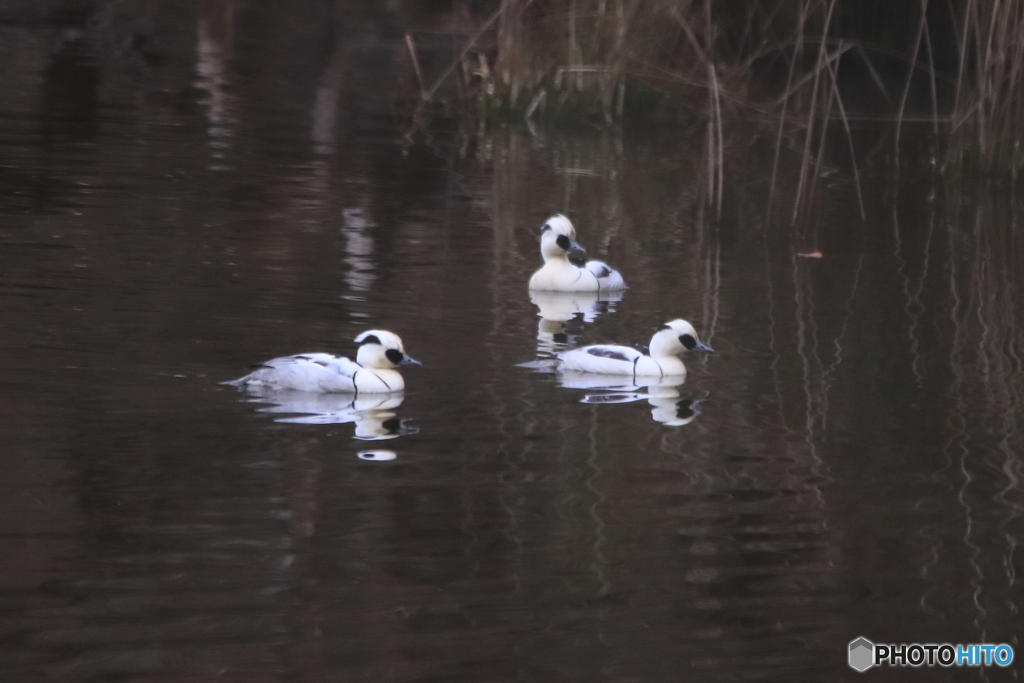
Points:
[(988, 111), (605, 60), (776, 61)]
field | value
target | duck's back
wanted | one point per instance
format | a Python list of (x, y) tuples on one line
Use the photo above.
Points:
[(320, 372), (602, 359), (607, 278)]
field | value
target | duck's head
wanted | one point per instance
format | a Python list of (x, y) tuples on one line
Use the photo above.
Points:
[(558, 238), (677, 336), (382, 349)]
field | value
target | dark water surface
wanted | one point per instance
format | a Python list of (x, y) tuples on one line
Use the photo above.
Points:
[(848, 463)]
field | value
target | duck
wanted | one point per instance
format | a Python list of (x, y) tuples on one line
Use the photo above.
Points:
[(564, 268), (374, 371), (660, 359)]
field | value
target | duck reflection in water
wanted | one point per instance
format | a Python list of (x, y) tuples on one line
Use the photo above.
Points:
[(563, 313), (373, 414), (668, 406)]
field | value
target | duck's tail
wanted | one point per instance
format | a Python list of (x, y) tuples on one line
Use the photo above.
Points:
[(253, 377), (542, 364)]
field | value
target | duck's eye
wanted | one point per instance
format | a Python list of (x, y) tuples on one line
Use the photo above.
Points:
[(546, 226), (688, 341), (394, 355), (372, 339), (563, 242)]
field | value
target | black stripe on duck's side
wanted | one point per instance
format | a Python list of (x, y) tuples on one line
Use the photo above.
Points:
[(355, 382), (604, 352)]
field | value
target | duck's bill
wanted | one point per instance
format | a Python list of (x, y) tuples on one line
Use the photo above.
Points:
[(702, 347), (407, 360), (574, 246)]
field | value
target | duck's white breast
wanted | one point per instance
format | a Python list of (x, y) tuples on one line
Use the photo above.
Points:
[(595, 277), (554, 277), (378, 381)]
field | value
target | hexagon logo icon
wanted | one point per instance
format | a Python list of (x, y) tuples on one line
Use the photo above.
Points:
[(862, 654)]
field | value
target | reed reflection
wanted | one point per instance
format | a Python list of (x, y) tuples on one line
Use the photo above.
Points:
[(374, 415), (214, 47)]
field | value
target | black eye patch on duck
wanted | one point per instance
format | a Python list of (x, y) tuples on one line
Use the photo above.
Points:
[(394, 355), (689, 342), (372, 339), (563, 242)]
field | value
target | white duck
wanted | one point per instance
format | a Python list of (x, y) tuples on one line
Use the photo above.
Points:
[(372, 372), (661, 359), (560, 274)]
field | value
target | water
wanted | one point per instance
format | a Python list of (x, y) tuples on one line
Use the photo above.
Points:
[(845, 465)]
